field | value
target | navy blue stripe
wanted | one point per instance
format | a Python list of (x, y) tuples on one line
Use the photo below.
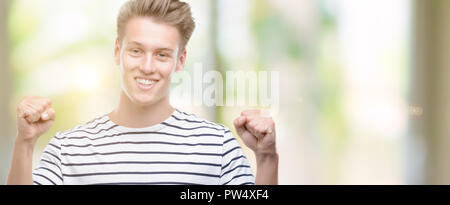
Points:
[(248, 183), (37, 183), (237, 176), (236, 158), (98, 118), (101, 123), (130, 173), (51, 172), (246, 166), (59, 148), (46, 152), (136, 162), (193, 121), (228, 140), (138, 133), (135, 152), (92, 133), (238, 147), (148, 142), (50, 162), (190, 128), (45, 178), (192, 115)]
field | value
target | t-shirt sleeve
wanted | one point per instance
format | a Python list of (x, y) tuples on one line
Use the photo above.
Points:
[(48, 170), (236, 169)]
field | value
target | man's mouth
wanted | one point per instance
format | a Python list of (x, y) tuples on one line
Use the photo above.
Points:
[(145, 84), (145, 81)]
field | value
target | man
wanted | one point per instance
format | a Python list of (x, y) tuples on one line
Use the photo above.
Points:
[(145, 140)]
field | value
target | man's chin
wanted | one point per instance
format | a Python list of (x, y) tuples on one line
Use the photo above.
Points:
[(144, 100)]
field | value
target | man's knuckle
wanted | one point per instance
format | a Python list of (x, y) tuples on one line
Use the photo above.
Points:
[(40, 108)]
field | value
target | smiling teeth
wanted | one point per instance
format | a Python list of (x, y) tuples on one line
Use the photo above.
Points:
[(145, 82)]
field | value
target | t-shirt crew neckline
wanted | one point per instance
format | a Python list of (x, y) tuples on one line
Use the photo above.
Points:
[(152, 128)]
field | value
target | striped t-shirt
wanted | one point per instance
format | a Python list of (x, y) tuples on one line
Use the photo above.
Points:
[(183, 149)]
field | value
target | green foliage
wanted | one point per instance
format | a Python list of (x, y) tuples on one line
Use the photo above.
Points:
[(274, 36), (23, 22)]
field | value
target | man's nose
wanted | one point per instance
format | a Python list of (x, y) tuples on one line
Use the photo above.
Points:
[(147, 65)]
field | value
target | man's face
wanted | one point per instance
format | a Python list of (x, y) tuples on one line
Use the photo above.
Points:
[(148, 56)]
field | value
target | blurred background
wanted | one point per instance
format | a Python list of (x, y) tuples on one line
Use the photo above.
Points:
[(363, 85)]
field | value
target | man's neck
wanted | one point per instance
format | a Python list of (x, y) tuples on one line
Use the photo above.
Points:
[(131, 115)]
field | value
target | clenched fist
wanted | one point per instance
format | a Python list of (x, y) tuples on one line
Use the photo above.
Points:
[(257, 130), (34, 117)]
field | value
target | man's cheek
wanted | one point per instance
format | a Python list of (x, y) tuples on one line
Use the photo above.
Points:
[(171, 69), (129, 62)]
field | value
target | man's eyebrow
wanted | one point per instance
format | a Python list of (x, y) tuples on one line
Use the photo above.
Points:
[(165, 49), (135, 42), (142, 45)]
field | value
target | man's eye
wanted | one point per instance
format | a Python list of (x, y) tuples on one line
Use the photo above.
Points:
[(162, 55), (135, 51)]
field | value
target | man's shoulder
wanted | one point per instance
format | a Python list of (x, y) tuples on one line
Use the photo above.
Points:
[(90, 127), (192, 121)]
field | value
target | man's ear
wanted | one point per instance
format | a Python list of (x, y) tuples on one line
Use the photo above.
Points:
[(181, 61), (117, 52)]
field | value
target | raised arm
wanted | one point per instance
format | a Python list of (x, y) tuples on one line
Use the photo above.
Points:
[(34, 117), (257, 130)]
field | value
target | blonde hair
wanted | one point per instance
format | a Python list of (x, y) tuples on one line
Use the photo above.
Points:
[(171, 12)]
